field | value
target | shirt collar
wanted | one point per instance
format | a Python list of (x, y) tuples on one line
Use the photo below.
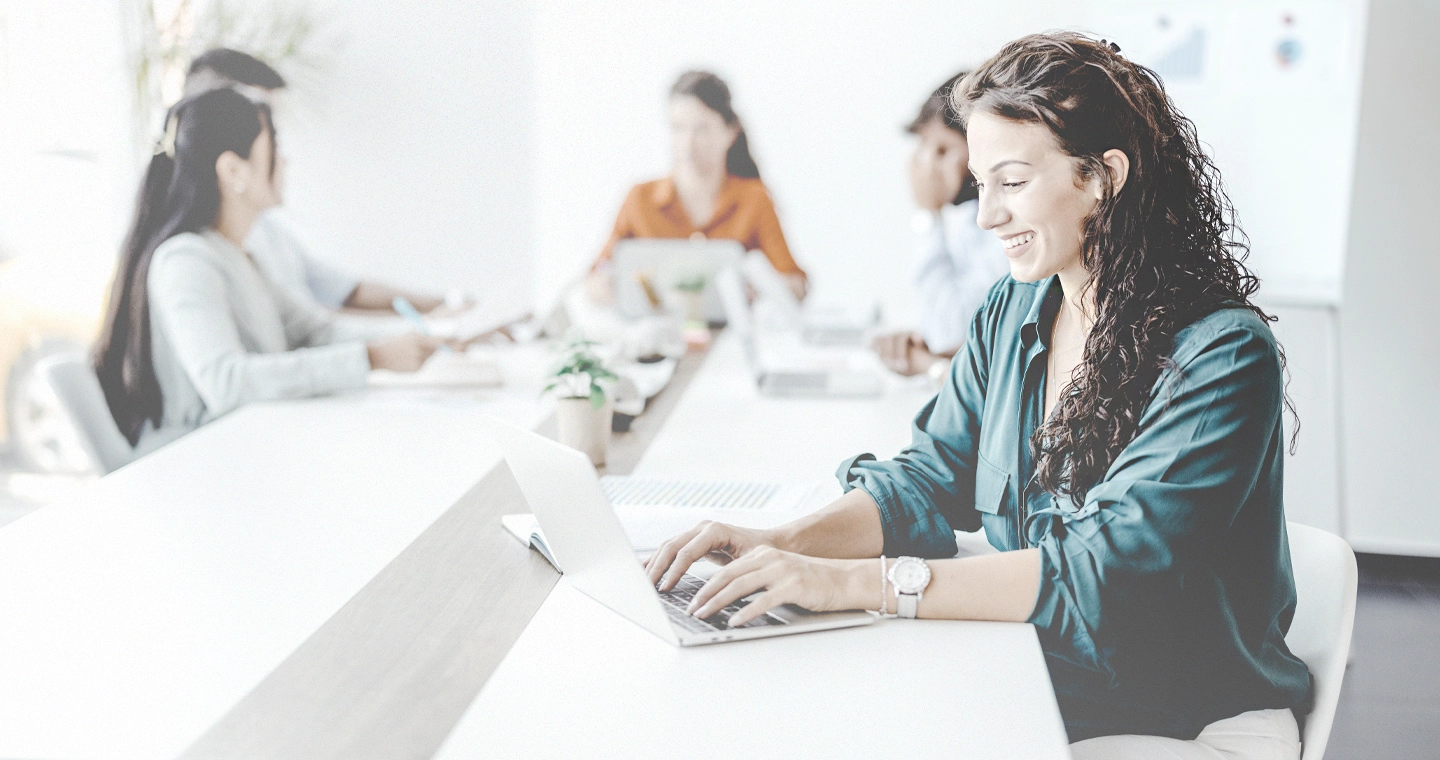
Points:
[(213, 235), (665, 195), (1042, 314)]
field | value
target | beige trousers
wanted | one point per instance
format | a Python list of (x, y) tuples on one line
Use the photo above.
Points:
[(1256, 735)]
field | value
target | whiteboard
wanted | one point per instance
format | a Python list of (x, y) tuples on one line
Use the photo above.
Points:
[(1274, 91)]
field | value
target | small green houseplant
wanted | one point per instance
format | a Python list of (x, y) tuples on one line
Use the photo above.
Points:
[(579, 372), (690, 293), (583, 410)]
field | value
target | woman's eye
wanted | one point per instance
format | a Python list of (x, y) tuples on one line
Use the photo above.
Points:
[(1013, 184)]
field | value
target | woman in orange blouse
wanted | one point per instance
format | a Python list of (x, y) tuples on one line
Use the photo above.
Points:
[(714, 190)]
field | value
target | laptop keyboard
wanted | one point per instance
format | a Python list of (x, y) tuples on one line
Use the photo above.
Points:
[(713, 494), (678, 598), (796, 382)]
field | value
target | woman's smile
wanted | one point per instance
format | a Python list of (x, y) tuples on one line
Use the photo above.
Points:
[(1017, 245)]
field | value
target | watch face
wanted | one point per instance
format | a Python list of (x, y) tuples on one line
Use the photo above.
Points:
[(910, 576)]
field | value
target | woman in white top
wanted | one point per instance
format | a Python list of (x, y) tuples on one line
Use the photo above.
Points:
[(957, 262), (192, 329)]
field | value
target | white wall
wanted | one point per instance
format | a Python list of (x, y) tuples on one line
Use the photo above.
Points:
[(824, 91), (1390, 356), (411, 153), (1312, 472), (487, 145), (512, 134)]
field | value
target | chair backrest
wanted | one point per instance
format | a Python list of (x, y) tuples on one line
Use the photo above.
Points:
[(1325, 584), (75, 384)]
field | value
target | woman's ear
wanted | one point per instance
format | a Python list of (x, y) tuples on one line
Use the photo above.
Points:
[(232, 171), (1117, 165)]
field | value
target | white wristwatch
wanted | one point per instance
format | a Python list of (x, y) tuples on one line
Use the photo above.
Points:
[(910, 576)]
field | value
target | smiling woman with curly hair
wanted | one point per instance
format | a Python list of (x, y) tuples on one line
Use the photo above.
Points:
[(1113, 422)]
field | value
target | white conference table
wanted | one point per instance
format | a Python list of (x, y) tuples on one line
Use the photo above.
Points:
[(135, 614), (327, 579), (583, 682)]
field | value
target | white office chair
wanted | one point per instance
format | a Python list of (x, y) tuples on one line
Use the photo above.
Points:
[(74, 382), (1325, 583)]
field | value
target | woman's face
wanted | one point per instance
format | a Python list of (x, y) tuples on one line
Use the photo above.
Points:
[(269, 185), (699, 137), (1031, 196)]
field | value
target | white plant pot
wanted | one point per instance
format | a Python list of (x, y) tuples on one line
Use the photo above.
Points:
[(585, 428)]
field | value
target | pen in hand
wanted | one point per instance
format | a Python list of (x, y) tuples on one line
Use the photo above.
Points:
[(407, 310)]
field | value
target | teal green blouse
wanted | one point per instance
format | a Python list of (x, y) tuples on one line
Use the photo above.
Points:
[(1164, 598)]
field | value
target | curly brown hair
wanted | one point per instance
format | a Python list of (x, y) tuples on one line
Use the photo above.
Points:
[(1162, 253)]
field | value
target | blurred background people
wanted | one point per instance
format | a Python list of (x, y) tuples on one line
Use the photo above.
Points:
[(714, 189), (957, 262), (276, 249), (192, 329)]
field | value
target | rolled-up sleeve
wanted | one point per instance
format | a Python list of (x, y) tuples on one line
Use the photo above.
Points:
[(927, 491), (1112, 571)]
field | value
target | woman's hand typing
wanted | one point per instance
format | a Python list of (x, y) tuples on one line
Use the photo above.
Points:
[(817, 561), (819, 585), (717, 542)]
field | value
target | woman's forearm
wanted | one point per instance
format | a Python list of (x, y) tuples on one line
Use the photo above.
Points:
[(989, 587), (848, 528), (1000, 587), (378, 296)]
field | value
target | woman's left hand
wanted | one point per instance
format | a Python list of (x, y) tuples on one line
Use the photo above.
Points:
[(817, 584)]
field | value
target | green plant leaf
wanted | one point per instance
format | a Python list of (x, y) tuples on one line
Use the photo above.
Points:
[(597, 396)]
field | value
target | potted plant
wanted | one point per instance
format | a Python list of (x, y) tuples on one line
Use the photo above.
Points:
[(583, 408), (688, 295)]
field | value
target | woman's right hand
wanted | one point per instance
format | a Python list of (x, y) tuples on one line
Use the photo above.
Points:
[(718, 542), (598, 286), (905, 353), (402, 353)]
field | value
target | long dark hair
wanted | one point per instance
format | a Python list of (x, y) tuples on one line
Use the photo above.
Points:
[(715, 94), (180, 193), (1162, 253), (940, 106)]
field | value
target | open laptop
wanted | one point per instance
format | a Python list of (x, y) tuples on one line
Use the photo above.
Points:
[(587, 539), (644, 268), (797, 376)]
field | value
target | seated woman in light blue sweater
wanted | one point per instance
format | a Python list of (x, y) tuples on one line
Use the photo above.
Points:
[(192, 329)]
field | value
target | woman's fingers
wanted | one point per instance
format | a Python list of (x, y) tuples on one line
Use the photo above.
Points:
[(761, 604), (708, 538), (723, 577), (727, 591), (661, 560)]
